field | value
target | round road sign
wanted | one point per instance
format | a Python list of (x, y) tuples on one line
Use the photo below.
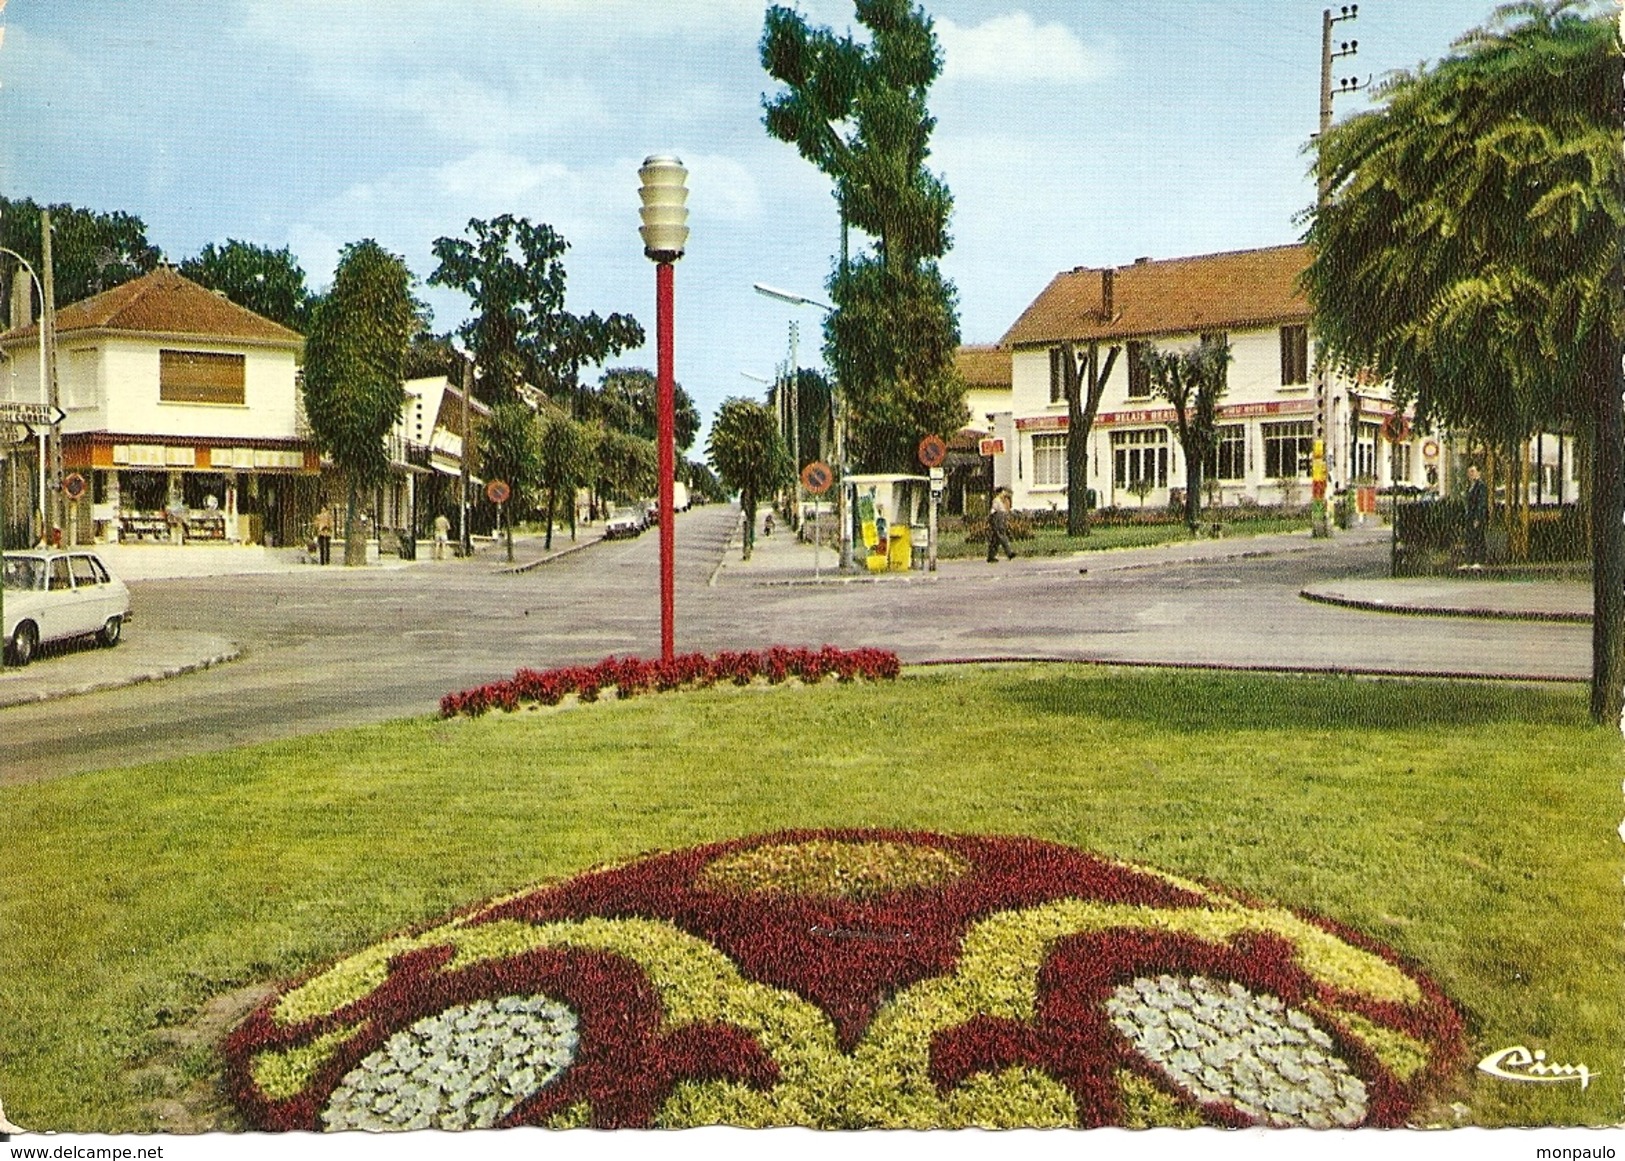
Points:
[(497, 491), (1430, 449), (73, 485), (932, 451), (816, 477)]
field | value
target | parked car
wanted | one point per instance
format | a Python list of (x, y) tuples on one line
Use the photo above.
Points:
[(57, 595), (623, 522), (679, 503)]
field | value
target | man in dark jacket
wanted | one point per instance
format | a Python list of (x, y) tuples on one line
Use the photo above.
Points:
[(1478, 517), (998, 528)]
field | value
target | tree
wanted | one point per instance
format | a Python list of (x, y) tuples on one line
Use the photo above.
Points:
[(568, 450), (266, 281), (90, 251), (1193, 381), (629, 400), (703, 482), (749, 456), (626, 466), (815, 423), (353, 369), (1469, 249), (858, 112), (510, 450), (1083, 381), (514, 272)]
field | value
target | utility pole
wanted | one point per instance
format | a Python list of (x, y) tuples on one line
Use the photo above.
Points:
[(51, 503), (1320, 525), (462, 504), (795, 422)]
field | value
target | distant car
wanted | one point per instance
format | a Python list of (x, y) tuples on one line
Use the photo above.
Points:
[(57, 595), (623, 522)]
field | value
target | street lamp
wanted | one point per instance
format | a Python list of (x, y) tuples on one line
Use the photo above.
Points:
[(44, 377), (665, 233), (795, 299)]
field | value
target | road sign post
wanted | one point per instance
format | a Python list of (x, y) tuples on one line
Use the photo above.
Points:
[(932, 452), (497, 491), (816, 477)]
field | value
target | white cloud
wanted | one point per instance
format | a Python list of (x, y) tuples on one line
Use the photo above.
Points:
[(1015, 49)]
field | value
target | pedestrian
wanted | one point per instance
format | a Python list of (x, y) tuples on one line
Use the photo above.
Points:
[(1478, 517), (324, 535), (767, 525), (442, 533), (998, 527)]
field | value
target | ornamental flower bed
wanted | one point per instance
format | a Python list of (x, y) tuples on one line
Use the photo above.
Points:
[(629, 676), (855, 978)]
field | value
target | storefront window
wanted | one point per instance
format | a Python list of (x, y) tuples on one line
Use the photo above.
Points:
[(198, 487), (1229, 458), (1287, 448), (1140, 455), (1049, 461), (143, 491)]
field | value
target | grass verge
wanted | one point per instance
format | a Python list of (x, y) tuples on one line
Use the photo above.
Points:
[(1469, 826)]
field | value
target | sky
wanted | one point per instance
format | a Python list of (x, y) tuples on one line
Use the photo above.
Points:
[(1070, 132)]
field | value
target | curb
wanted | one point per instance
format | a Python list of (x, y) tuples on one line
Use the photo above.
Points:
[(1366, 604), (231, 654), (513, 569), (1282, 670), (727, 544)]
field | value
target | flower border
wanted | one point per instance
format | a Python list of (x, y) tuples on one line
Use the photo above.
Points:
[(629, 676)]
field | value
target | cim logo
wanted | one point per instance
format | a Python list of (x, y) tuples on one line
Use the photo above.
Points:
[(1520, 1064)]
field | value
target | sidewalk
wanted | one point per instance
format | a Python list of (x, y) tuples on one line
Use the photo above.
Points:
[(780, 559), (77, 667), (1464, 596)]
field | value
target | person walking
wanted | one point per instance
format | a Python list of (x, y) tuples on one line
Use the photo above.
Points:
[(442, 533), (324, 535), (1478, 517), (998, 528)]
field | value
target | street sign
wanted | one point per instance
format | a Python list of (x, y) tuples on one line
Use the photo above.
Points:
[(937, 477), (816, 477), (1430, 449), (41, 413), (991, 447), (14, 432), (932, 451), (73, 485), (497, 491)]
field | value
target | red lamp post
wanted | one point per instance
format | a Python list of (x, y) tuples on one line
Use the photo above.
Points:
[(665, 233)]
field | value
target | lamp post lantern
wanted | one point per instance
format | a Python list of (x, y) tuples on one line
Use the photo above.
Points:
[(665, 233)]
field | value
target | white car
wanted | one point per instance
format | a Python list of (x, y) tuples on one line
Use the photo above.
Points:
[(56, 595), (623, 522)]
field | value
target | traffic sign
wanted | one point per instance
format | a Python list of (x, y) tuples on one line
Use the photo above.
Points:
[(1430, 449), (497, 491), (937, 480), (41, 413), (73, 485), (816, 477), (991, 447), (14, 432), (932, 451)]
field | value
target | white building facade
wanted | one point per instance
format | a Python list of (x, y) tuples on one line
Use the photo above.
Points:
[(1267, 418)]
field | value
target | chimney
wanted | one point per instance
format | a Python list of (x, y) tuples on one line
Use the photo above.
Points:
[(1142, 261), (22, 299), (1108, 282)]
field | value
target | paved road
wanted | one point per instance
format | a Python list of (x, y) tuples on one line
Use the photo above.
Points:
[(327, 648)]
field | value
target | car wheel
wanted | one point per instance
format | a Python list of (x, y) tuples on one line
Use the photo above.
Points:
[(24, 643), (111, 632)]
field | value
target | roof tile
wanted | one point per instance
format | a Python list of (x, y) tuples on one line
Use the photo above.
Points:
[(165, 302)]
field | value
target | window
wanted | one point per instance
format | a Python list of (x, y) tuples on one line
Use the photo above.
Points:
[(1229, 458), (1287, 448), (1049, 461), (84, 573), (59, 574), (1139, 379), (1140, 455), (1399, 463), (1294, 356), (199, 377), (1365, 451), (1057, 375)]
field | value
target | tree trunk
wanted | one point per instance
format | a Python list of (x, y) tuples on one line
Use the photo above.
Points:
[(355, 536), (747, 501), (552, 506), (1193, 490), (1607, 535)]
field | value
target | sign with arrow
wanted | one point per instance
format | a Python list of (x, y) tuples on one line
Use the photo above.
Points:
[(14, 432), (42, 414)]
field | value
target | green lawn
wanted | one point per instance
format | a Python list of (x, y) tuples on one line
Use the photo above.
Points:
[(953, 545), (1469, 826)]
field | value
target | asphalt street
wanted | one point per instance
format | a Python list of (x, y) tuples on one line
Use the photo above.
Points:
[(323, 648)]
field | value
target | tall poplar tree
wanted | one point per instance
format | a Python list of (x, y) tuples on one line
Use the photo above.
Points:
[(354, 361), (858, 111)]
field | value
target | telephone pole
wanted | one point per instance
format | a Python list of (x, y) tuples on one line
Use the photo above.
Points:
[(51, 514), (1320, 525)]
